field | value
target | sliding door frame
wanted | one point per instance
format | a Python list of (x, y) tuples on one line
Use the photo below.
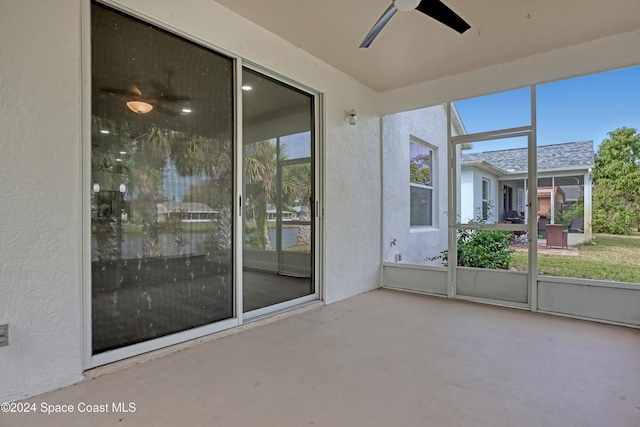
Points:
[(317, 206), (89, 360)]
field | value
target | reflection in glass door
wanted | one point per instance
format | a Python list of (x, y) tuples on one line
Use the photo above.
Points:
[(278, 189), (161, 184)]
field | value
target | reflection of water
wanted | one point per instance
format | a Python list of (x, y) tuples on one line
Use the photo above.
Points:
[(289, 237), (132, 245), (195, 243)]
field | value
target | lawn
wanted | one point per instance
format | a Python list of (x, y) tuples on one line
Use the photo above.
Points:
[(612, 257)]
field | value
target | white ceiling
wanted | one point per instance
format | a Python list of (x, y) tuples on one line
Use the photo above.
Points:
[(414, 48)]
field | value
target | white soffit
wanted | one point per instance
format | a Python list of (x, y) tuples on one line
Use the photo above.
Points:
[(414, 48)]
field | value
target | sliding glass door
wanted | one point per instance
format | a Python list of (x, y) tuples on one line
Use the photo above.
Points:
[(173, 255), (278, 182), (161, 183)]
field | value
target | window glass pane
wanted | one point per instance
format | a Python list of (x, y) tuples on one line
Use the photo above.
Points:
[(421, 165), (421, 210), (162, 182), (295, 146)]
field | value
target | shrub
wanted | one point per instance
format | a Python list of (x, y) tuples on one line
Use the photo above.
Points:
[(481, 248)]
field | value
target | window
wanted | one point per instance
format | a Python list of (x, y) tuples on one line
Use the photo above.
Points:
[(486, 194), (421, 185)]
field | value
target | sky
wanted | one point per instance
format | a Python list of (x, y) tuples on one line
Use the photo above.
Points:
[(578, 109)]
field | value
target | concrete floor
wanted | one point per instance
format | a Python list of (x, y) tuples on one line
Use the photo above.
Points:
[(384, 358)]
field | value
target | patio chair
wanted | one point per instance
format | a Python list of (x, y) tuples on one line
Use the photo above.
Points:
[(556, 236), (577, 225)]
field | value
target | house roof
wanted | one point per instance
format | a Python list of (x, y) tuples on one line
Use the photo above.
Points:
[(568, 155)]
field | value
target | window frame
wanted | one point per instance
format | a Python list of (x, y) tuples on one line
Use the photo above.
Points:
[(486, 198), (431, 187)]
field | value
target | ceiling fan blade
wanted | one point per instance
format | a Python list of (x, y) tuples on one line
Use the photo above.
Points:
[(379, 25), (173, 98), (164, 110), (132, 91), (165, 93), (135, 90), (118, 91), (440, 12)]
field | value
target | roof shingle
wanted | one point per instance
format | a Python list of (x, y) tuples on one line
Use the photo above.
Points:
[(568, 155)]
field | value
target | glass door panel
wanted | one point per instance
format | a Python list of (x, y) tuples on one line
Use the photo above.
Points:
[(161, 180), (278, 188)]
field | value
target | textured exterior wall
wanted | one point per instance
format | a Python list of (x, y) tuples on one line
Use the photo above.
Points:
[(471, 191), (429, 125), (467, 186), (40, 183)]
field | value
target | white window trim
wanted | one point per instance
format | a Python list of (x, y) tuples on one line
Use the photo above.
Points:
[(433, 187), (487, 199)]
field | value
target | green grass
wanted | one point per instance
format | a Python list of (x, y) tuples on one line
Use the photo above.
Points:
[(300, 247), (612, 257)]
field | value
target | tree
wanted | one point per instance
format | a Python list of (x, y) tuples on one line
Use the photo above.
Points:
[(420, 169), (137, 155), (260, 173), (296, 186), (616, 178)]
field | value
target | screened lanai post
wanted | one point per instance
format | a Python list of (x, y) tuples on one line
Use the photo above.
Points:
[(588, 206), (552, 200), (452, 208), (532, 206)]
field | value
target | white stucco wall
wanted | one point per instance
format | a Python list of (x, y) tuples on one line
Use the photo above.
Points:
[(467, 204), (427, 125), (41, 173), (40, 183), (471, 192)]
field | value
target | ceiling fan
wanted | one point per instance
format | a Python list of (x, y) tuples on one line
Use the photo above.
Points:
[(162, 94), (433, 8)]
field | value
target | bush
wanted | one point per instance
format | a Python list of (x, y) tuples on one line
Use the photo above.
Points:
[(576, 211), (481, 248)]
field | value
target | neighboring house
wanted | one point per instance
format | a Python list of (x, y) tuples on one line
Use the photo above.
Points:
[(495, 182), (188, 212), (272, 214), (545, 202)]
